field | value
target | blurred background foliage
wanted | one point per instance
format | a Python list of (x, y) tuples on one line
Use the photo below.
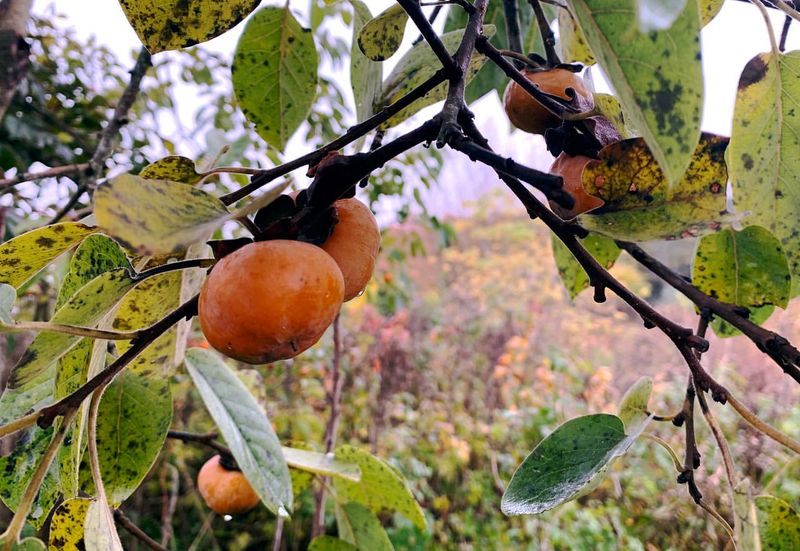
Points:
[(463, 353)]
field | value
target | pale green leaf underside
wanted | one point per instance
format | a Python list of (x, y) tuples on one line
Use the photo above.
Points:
[(573, 276), (246, 429), (633, 406), (358, 525), (274, 74), (657, 75)]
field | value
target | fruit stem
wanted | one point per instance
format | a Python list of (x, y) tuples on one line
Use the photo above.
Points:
[(548, 38)]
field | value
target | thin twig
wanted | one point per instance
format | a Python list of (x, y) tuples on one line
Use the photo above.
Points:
[(416, 14), (137, 532), (334, 397), (54, 172), (774, 345), (763, 426), (431, 19), (352, 134), (511, 12), (787, 23), (548, 38)]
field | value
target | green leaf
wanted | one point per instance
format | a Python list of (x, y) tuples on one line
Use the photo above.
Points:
[(762, 157), (22, 257), (366, 76), (359, 525), (565, 462), (132, 423), (747, 268), (8, 296), (381, 486), (418, 65), (31, 382), (16, 471), (156, 216), (639, 204), (573, 276), (177, 24), (380, 37), (28, 544), (173, 168), (245, 427), (329, 543), (571, 42), (96, 255), (633, 406), (657, 75), (778, 524), (275, 74), (609, 107), (321, 464), (66, 527)]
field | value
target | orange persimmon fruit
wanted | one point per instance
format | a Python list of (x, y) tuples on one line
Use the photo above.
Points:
[(225, 491), (270, 300), (529, 115), (571, 170)]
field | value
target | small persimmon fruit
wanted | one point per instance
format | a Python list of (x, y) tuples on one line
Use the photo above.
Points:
[(529, 115), (270, 300), (225, 491), (571, 170), (354, 244)]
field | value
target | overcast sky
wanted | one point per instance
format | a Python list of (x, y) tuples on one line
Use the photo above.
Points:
[(735, 36)]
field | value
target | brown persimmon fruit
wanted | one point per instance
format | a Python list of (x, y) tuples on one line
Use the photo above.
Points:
[(354, 244), (225, 491), (270, 300), (529, 115), (571, 170)]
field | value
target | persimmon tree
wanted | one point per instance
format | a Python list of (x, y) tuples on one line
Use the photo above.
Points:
[(90, 399)]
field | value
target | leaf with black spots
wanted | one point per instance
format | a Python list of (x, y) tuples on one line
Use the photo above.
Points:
[(639, 203), (657, 75), (24, 256), (274, 74), (177, 24)]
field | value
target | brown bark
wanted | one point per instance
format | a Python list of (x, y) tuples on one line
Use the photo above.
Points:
[(14, 49)]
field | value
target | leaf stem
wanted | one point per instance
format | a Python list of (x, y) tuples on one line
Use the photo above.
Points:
[(763, 426), (664, 444)]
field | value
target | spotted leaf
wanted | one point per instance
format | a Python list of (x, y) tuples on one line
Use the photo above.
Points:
[(762, 157), (657, 75), (172, 24), (274, 74), (640, 205), (24, 256), (381, 36)]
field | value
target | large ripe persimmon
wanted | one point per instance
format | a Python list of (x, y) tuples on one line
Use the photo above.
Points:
[(226, 491), (529, 115), (270, 300), (571, 170), (354, 244)]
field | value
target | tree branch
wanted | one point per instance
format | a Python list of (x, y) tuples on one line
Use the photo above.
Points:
[(774, 345), (54, 172), (548, 38), (416, 14), (511, 12), (137, 532), (354, 133)]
